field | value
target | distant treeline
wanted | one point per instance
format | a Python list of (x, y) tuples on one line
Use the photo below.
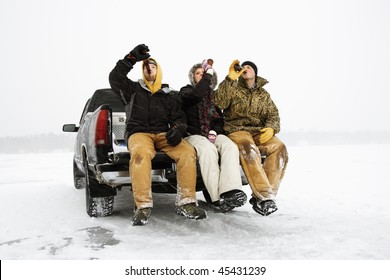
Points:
[(42, 143)]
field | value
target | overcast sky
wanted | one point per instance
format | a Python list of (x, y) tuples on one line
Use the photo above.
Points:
[(327, 62)]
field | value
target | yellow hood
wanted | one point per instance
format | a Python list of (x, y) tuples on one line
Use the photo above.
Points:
[(158, 81)]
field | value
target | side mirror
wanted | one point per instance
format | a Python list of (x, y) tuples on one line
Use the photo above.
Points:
[(70, 128)]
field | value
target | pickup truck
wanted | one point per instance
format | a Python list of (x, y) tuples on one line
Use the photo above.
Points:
[(101, 158)]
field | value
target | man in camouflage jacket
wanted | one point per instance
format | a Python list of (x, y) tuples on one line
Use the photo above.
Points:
[(251, 121)]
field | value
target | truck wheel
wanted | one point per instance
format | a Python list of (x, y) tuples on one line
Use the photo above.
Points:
[(96, 206), (100, 206), (78, 177)]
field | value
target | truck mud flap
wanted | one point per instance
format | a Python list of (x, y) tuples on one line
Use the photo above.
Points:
[(101, 190)]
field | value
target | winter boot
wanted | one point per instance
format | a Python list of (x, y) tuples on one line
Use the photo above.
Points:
[(219, 206), (191, 211), (232, 199), (263, 207), (141, 216)]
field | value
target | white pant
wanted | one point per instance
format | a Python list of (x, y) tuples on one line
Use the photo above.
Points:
[(217, 178)]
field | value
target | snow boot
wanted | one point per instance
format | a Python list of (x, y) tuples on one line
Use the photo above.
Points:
[(263, 207), (191, 211), (141, 216), (232, 199), (219, 206)]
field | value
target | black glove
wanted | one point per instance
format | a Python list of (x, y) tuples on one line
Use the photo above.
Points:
[(139, 53), (174, 136)]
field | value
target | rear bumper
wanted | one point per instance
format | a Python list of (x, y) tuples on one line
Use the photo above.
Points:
[(122, 178), (119, 175), (163, 174)]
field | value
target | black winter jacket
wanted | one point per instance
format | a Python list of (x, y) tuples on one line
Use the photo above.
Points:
[(151, 113), (191, 96)]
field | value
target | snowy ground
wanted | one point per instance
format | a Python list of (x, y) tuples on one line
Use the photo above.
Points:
[(333, 205)]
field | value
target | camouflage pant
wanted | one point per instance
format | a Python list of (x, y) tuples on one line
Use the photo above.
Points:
[(265, 179), (142, 147)]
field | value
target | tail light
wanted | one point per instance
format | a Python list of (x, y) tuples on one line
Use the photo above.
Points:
[(101, 133)]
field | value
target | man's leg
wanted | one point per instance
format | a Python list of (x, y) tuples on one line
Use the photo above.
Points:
[(251, 164), (276, 160), (185, 157), (141, 148)]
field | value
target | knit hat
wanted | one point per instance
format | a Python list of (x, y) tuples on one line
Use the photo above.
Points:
[(251, 64), (149, 61)]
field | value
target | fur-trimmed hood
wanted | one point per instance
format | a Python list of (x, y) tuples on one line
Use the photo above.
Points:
[(214, 78)]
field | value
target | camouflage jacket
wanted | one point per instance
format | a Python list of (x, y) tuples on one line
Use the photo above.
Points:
[(246, 109)]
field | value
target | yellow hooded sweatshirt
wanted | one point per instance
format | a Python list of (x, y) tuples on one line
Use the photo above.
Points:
[(158, 81)]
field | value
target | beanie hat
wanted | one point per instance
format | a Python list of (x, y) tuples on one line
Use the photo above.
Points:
[(251, 64), (149, 61)]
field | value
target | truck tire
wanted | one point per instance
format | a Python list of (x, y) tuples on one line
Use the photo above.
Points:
[(78, 177), (96, 206), (100, 206)]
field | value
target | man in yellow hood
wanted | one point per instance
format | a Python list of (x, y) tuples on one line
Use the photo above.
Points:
[(154, 122)]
